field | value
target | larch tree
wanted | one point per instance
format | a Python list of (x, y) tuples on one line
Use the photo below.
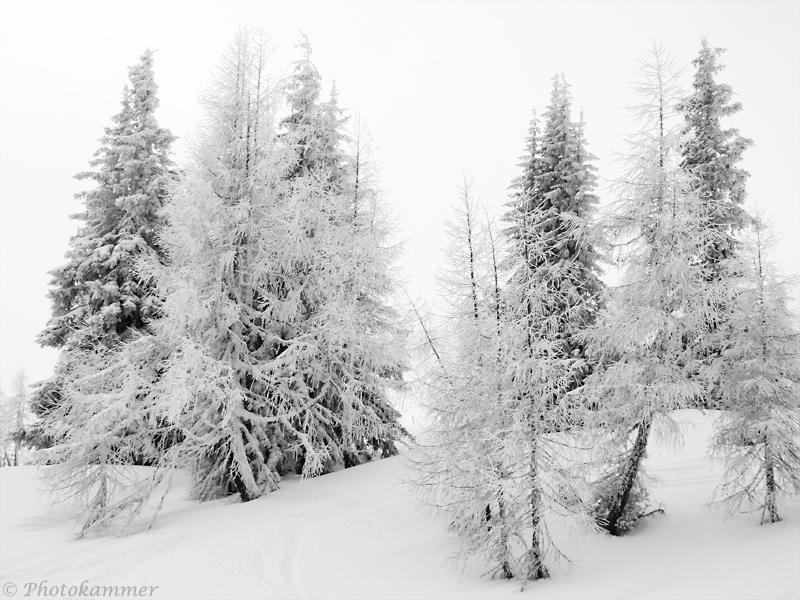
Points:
[(662, 309), (275, 296), (328, 156), (758, 433), (462, 472), (98, 298), (13, 413), (108, 420)]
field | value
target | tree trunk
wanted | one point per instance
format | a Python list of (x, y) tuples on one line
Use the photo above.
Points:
[(770, 503), (507, 572), (631, 469), (536, 569)]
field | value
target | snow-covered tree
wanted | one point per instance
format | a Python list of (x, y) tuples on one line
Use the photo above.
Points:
[(711, 154), (758, 432), (274, 296), (98, 289), (13, 412), (107, 420), (274, 347), (660, 312), (315, 128), (461, 468), (503, 401), (556, 187), (97, 296), (538, 411)]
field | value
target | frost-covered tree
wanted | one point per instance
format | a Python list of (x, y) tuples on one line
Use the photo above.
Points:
[(461, 469), (315, 128), (758, 432), (98, 297), (274, 295), (275, 346), (108, 420), (662, 308), (552, 294), (554, 196), (13, 412), (503, 402), (536, 382), (711, 155), (98, 289)]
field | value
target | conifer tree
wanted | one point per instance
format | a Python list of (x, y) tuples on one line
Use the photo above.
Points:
[(275, 345), (13, 412), (98, 297), (758, 433), (710, 154), (557, 187), (662, 308), (314, 127), (462, 470), (108, 419), (553, 293), (315, 130), (275, 296), (502, 404)]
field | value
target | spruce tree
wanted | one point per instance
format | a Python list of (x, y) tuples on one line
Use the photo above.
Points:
[(98, 297), (711, 154), (554, 202), (314, 128), (553, 293)]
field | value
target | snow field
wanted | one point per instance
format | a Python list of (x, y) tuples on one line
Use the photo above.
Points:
[(360, 533)]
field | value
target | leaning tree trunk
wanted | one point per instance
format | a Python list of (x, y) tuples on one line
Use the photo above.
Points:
[(629, 473)]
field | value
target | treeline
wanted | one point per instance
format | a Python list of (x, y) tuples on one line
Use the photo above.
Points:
[(234, 316)]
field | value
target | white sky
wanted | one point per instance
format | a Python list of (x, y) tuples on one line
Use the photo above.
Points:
[(446, 87)]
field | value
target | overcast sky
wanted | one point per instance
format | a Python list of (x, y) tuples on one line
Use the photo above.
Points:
[(446, 87)]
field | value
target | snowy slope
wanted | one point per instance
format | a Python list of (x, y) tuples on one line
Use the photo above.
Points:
[(359, 533)]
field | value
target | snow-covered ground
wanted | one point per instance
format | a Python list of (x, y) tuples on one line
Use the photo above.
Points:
[(360, 533)]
